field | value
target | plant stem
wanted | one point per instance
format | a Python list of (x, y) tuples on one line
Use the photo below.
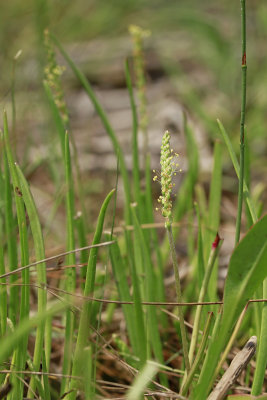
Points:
[(242, 119), (178, 294), (262, 350), (199, 355), (213, 255)]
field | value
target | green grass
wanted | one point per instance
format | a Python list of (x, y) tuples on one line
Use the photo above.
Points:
[(108, 312)]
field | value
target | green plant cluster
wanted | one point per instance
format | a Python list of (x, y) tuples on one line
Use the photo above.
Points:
[(137, 259)]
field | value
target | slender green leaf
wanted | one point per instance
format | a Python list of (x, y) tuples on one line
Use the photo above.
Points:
[(200, 256), (155, 244), (56, 115), (80, 225), (3, 287), (45, 378), (199, 355), (88, 373), (119, 270), (247, 270), (262, 352), (135, 152), (149, 279), (41, 268), (70, 285), (138, 310), (210, 265), (11, 244), (261, 363), (21, 351), (78, 364), (14, 339), (142, 380), (117, 148), (247, 156), (214, 216), (236, 167)]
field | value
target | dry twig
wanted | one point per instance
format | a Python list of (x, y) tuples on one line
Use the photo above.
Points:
[(239, 362)]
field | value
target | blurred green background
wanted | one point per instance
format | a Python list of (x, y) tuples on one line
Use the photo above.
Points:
[(197, 43)]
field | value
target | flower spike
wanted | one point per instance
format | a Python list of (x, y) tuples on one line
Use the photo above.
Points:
[(169, 168)]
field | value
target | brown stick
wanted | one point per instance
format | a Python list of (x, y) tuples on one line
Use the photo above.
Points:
[(239, 362)]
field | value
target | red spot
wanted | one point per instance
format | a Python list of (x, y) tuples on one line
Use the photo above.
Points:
[(216, 241), (244, 59)]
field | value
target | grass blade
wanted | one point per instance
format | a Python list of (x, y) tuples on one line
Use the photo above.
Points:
[(3, 287), (246, 272), (47, 395), (212, 258), (11, 244), (199, 355), (70, 260), (200, 256), (56, 115), (214, 216), (236, 167), (78, 362), (119, 269), (135, 152), (142, 380), (41, 268), (155, 245), (117, 149), (14, 339), (148, 286), (21, 351), (81, 231), (88, 373), (262, 349), (138, 311)]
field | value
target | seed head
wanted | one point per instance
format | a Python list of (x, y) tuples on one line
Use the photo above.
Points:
[(52, 75), (169, 167)]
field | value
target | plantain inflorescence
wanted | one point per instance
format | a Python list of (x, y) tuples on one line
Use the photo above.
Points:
[(169, 168)]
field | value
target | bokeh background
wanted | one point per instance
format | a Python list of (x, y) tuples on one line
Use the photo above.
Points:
[(193, 64)]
